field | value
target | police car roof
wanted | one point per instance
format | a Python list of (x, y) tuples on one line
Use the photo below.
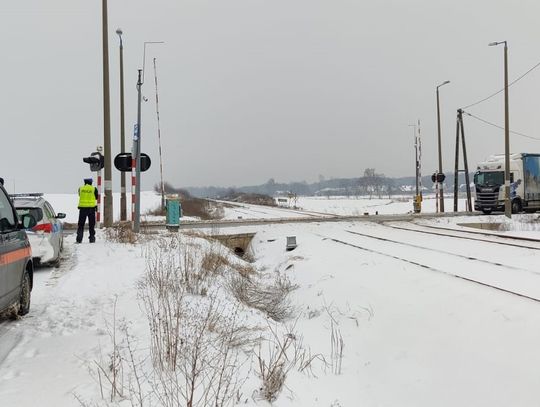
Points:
[(27, 200)]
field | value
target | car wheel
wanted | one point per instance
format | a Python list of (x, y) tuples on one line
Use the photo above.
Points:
[(24, 296)]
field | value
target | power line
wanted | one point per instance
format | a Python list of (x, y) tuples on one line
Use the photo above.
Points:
[(510, 84), (500, 127)]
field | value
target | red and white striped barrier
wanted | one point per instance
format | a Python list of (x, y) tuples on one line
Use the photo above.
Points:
[(133, 187), (100, 191)]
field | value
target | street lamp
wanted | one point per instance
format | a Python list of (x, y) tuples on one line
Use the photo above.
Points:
[(108, 198), (507, 202), (440, 184), (123, 200)]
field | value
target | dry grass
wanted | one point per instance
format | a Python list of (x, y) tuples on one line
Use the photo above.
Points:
[(282, 353), (245, 270), (272, 299), (121, 233), (336, 343), (197, 346), (214, 262)]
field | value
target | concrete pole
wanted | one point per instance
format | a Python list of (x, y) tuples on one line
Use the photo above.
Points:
[(107, 198), (123, 200), (507, 201), (137, 156), (440, 184)]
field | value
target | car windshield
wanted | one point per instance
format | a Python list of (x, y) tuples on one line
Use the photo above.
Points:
[(37, 213), (494, 178)]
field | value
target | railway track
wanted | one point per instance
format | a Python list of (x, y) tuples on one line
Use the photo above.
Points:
[(504, 240), (270, 210), (476, 259), (423, 265), (477, 232)]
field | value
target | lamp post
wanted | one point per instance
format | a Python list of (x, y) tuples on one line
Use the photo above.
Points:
[(440, 184), (108, 199), (123, 200), (507, 202)]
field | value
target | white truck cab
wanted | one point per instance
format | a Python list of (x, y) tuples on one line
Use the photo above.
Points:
[(524, 183)]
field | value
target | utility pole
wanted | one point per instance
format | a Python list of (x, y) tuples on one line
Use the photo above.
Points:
[(123, 200), (440, 184), (417, 203), (460, 130), (107, 198), (507, 201), (136, 159), (419, 147)]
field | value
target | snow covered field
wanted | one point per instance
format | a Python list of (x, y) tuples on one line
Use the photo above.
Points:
[(342, 206), (352, 206), (423, 319)]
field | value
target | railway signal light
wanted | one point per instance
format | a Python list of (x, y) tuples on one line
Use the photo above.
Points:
[(96, 161), (123, 161), (438, 177)]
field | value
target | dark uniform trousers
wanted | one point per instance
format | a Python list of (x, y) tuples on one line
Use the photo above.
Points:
[(89, 213)]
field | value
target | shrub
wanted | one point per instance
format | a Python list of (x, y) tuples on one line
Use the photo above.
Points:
[(272, 299)]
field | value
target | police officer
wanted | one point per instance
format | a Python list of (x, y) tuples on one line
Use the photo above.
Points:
[(88, 195)]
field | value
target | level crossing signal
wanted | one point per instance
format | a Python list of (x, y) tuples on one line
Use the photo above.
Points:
[(96, 161), (438, 177), (123, 161)]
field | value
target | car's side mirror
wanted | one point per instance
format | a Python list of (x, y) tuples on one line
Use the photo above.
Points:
[(60, 215), (28, 221)]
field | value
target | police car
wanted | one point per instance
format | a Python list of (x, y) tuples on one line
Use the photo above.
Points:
[(46, 237), (16, 268)]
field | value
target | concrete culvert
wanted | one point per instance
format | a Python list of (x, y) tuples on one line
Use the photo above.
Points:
[(239, 251)]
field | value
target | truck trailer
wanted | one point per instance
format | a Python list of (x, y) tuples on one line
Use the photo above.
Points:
[(524, 183)]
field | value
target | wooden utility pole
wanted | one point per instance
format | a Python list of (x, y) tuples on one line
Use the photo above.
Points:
[(460, 131)]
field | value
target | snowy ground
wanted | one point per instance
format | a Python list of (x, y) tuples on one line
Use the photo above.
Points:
[(340, 206), (415, 331), (359, 206)]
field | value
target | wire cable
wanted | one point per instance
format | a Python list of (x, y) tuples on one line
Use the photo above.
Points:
[(500, 127), (510, 84)]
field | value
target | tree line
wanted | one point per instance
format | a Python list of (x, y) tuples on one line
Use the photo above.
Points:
[(370, 184)]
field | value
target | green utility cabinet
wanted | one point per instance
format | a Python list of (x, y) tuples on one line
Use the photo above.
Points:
[(174, 212)]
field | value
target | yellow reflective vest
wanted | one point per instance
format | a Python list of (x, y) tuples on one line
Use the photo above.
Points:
[(87, 199)]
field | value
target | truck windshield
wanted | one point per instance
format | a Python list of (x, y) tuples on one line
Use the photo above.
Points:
[(494, 178)]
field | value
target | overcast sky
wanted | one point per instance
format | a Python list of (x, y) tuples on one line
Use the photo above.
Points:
[(254, 89)]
